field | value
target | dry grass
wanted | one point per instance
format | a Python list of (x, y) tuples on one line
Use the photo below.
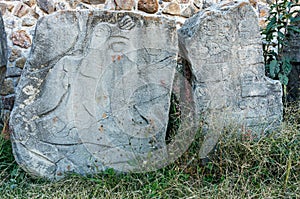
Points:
[(239, 168)]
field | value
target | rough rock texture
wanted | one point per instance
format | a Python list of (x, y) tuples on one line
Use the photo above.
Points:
[(223, 46), (20, 10), (95, 93), (46, 5), (21, 38), (172, 9), (3, 51), (125, 4), (149, 6)]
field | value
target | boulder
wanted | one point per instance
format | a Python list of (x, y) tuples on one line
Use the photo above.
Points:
[(95, 93), (223, 47)]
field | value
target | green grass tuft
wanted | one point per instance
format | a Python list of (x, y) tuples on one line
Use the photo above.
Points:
[(239, 168)]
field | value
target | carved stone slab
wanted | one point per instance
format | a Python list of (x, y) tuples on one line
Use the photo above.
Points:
[(223, 46), (95, 93)]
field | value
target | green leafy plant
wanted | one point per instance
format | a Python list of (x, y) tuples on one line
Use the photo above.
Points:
[(281, 21)]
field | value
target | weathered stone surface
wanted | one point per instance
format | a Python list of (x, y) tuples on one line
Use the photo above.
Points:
[(223, 46), (30, 3), (46, 5), (13, 72), (3, 8), (8, 102), (14, 54), (28, 21), (20, 9), (3, 51), (125, 4), (21, 62), (21, 38), (189, 11), (149, 6), (7, 87), (95, 93), (172, 8)]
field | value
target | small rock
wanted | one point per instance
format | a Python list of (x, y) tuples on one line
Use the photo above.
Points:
[(125, 4), (46, 5), (189, 11), (61, 6), (21, 38), (110, 5), (172, 9), (198, 3), (28, 21), (15, 54), (21, 62), (8, 102), (3, 8), (8, 87), (20, 10), (30, 3), (149, 6), (13, 72)]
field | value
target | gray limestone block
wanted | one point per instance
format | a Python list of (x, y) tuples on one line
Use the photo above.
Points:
[(95, 93), (223, 46)]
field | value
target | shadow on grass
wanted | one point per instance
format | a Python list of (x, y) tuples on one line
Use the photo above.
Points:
[(238, 168)]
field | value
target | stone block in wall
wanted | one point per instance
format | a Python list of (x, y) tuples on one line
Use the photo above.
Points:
[(20, 10), (30, 3), (7, 87), (47, 6), (148, 6), (3, 8), (124, 4), (21, 38), (172, 8), (95, 93), (223, 46)]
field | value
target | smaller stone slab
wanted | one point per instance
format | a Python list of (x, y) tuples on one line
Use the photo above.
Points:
[(223, 46)]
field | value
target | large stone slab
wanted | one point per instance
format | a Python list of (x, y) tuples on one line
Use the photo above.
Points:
[(3, 51), (95, 93), (223, 46)]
